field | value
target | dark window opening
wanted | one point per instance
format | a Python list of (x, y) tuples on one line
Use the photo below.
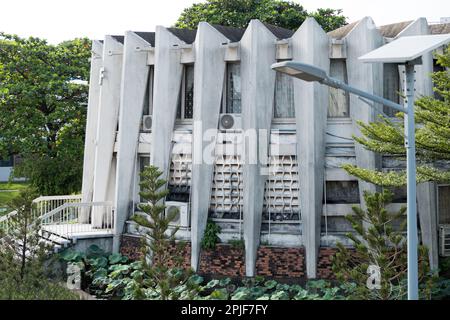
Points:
[(342, 192), (233, 88), (185, 109), (391, 86)]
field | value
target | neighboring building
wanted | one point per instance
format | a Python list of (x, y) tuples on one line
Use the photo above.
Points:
[(153, 96), (6, 166)]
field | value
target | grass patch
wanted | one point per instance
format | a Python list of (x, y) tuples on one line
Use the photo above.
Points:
[(8, 191), (13, 185)]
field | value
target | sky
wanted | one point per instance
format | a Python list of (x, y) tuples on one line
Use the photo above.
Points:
[(58, 20)]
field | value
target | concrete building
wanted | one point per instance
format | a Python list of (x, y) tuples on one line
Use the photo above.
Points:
[(171, 96)]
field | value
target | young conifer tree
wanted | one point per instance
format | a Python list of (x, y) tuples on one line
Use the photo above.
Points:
[(162, 257), (379, 243)]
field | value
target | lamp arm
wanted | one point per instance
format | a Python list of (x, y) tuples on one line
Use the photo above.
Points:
[(334, 83)]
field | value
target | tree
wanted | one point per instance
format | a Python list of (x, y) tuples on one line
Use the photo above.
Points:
[(379, 244), (432, 117), (162, 259), (25, 259), (43, 109), (238, 13)]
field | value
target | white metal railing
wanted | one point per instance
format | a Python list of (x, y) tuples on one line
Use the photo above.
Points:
[(78, 219), (41, 206)]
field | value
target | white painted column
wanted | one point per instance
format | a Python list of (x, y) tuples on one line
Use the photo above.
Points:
[(363, 38), (107, 121), (133, 89), (168, 74), (310, 44), (209, 75), (91, 125), (258, 87)]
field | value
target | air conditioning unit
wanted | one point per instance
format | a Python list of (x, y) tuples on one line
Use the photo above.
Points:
[(147, 122), (182, 218), (444, 240), (230, 121)]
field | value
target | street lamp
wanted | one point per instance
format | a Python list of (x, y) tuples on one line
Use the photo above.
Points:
[(408, 52)]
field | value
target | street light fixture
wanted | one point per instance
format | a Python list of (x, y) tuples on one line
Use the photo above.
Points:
[(408, 52)]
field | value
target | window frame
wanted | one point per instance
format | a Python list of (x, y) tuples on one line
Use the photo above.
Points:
[(182, 97)]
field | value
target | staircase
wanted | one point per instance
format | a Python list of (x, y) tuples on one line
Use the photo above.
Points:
[(65, 219)]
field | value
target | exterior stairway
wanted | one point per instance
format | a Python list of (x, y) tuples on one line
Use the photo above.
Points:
[(64, 219)]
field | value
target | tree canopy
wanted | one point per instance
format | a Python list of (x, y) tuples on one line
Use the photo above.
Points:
[(432, 115), (238, 13), (43, 109)]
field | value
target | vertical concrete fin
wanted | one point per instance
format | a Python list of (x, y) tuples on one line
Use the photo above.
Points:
[(168, 72), (258, 53), (133, 89), (209, 74), (310, 45), (364, 38), (92, 119), (107, 117)]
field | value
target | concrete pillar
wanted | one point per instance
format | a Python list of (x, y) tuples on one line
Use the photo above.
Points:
[(310, 44), (133, 89), (107, 120), (427, 208), (364, 38), (209, 75), (258, 86), (168, 73), (91, 124)]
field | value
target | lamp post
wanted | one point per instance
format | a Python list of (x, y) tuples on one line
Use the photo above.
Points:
[(311, 73)]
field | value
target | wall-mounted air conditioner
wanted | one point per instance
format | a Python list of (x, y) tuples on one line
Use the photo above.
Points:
[(147, 123), (230, 121), (182, 218), (444, 240)]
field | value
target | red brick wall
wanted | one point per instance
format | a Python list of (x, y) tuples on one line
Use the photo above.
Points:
[(271, 262), (224, 260), (280, 262), (324, 264)]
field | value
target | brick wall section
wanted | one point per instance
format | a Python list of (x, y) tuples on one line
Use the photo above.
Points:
[(271, 262), (280, 262), (324, 263), (224, 261), (131, 248)]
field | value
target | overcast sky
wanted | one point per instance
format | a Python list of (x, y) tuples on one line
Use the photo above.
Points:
[(58, 20)]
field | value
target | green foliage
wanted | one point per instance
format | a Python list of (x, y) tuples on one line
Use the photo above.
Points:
[(162, 265), (210, 237), (377, 242), (105, 273), (42, 110), (238, 13), (237, 244), (25, 262), (432, 136)]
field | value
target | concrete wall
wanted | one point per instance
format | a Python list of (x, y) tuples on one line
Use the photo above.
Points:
[(92, 121), (209, 73), (310, 45), (258, 87), (364, 38), (134, 83), (168, 73)]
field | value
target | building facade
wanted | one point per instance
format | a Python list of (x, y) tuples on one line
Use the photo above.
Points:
[(170, 97)]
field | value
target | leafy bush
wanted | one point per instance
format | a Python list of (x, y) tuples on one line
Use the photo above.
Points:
[(210, 237), (101, 270)]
